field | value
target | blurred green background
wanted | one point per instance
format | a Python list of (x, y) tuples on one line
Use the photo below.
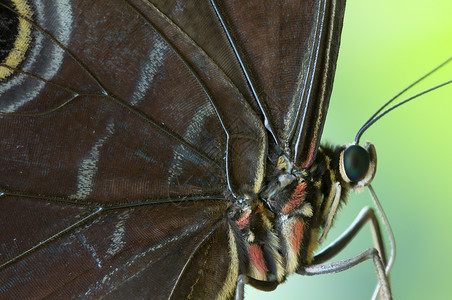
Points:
[(385, 46)]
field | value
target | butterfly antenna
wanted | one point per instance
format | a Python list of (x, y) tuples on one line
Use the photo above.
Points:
[(380, 113)]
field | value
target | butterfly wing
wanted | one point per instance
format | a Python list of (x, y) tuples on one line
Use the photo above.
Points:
[(121, 138), (136, 251), (86, 151), (291, 50)]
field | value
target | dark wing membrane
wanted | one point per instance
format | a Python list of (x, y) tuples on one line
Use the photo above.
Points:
[(129, 253), (116, 103), (290, 49), (82, 115), (107, 109)]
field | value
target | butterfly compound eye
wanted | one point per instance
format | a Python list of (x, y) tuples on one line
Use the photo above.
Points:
[(356, 163)]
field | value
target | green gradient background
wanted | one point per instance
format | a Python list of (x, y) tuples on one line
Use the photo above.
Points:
[(385, 46)]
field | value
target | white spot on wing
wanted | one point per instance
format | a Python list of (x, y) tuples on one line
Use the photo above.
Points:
[(88, 167), (92, 250), (117, 240), (149, 70), (180, 152)]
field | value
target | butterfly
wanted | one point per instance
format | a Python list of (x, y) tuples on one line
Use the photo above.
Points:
[(152, 150)]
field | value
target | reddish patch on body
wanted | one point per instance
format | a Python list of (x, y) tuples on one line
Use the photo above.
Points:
[(295, 199), (244, 220), (297, 235), (257, 258)]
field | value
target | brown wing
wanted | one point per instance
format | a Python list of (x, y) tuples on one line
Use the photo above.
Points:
[(123, 126), (290, 50), (145, 251)]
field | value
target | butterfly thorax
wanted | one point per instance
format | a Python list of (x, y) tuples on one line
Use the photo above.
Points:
[(280, 229)]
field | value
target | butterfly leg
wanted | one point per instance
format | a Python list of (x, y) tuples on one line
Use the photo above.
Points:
[(377, 254), (258, 284), (365, 215), (342, 265)]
